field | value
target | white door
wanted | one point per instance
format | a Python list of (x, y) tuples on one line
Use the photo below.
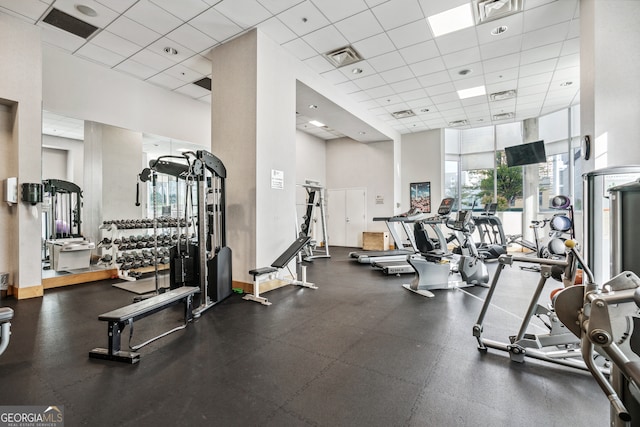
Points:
[(346, 216)]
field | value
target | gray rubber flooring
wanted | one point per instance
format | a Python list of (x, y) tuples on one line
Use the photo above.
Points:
[(359, 351)]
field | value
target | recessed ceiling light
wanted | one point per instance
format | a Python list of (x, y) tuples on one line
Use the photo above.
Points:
[(316, 123), (357, 71), (451, 20), (566, 83), (362, 133), (86, 10), (465, 71), (471, 92), (424, 110), (313, 106), (499, 30), (170, 50)]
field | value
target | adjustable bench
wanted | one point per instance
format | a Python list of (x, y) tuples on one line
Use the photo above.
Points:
[(6, 314), (280, 263), (121, 317)]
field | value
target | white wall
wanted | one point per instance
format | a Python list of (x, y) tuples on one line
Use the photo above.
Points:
[(354, 164), (75, 157), (423, 161), (311, 159)]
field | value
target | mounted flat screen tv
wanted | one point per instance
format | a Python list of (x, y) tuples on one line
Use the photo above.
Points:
[(526, 154)]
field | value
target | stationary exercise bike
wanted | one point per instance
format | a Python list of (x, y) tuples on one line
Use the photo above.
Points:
[(434, 268)]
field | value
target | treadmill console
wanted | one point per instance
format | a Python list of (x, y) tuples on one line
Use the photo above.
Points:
[(446, 206), (461, 221)]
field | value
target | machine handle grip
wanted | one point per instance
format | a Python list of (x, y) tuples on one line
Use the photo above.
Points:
[(571, 245)]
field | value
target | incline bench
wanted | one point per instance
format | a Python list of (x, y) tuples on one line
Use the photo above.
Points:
[(123, 316), (6, 314), (282, 262)]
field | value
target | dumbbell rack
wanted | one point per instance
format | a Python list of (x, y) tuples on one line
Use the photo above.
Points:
[(133, 254)]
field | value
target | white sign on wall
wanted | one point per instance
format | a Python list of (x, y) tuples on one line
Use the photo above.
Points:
[(277, 179)]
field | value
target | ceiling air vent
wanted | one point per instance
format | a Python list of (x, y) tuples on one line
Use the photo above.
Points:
[(488, 10), (69, 23), (343, 56), (204, 83), (458, 123), (403, 114), (505, 94), (502, 116)]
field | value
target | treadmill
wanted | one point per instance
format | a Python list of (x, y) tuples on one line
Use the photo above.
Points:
[(401, 251), (402, 266)]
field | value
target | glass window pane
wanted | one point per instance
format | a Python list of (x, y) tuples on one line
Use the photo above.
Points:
[(509, 184), (451, 141), (508, 134), (477, 161), (554, 126), (474, 188), (451, 179), (554, 179)]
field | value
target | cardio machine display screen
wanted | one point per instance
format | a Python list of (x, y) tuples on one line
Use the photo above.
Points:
[(446, 205)]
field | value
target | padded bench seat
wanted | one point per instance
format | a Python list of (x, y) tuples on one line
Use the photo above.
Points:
[(121, 317)]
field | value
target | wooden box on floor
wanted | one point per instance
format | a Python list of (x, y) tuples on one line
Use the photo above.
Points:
[(375, 241)]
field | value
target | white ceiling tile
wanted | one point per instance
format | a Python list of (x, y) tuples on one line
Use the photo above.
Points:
[(533, 90), (501, 63), (300, 49), (184, 9), (380, 92), (369, 82), (335, 77), (159, 46), (469, 83), (409, 34), (206, 98), (367, 70), (100, 55), (360, 96), (397, 75), (325, 39), (245, 13), (429, 66), (475, 68), (132, 31), (153, 17), (153, 60), (537, 98), (440, 89), (396, 13), (567, 74), (501, 47), (571, 46), (303, 18), (457, 41), (413, 94), (395, 104), (480, 107), (387, 61), (540, 53), (431, 7), (335, 10), (215, 25), (463, 57), (359, 27), (452, 107), (348, 87), (534, 80), (503, 106), (374, 46), (498, 76), (193, 91), (544, 36), (166, 81), (118, 5), (188, 36), (549, 14), (514, 24), (136, 69), (319, 64), (569, 61), (30, 9), (502, 86), (276, 30), (405, 86), (445, 97), (419, 52), (423, 107), (574, 29), (59, 38), (183, 73), (538, 67), (103, 17), (277, 6), (114, 43), (434, 78), (198, 63)]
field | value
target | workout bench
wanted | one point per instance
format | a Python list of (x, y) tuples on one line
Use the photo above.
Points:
[(6, 314), (279, 264), (121, 317)]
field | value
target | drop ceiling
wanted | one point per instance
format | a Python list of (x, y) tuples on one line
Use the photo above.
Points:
[(404, 67)]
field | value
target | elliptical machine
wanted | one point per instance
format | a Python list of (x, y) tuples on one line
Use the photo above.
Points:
[(433, 268)]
